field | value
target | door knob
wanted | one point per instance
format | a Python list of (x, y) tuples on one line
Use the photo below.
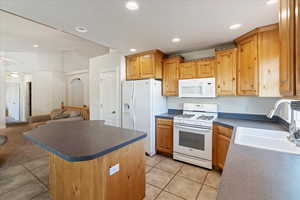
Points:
[(113, 112)]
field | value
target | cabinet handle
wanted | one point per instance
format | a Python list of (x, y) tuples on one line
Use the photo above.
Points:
[(233, 78), (219, 86)]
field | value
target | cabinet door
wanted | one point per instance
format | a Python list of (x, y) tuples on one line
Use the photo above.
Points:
[(187, 70), (222, 143), (205, 68), (164, 136), (268, 54), (248, 67), (297, 35), (132, 68), (147, 66), (226, 72), (287, 50), (170, 79)]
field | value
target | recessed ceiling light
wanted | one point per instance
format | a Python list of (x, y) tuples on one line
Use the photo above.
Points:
[(235, 26), (270, 2), (133, 50), (176, 40), (14, 75), (132, 5), (35, 45), (81, 29)]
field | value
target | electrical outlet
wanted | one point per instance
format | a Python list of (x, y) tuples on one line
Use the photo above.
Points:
[(114, 169)]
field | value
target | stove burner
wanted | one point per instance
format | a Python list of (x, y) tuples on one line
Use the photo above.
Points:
[(204, 117), (186, 116)]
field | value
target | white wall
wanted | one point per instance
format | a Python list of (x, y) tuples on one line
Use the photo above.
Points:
[(108, 62), (74, 62), (2, 96), (84, 77)]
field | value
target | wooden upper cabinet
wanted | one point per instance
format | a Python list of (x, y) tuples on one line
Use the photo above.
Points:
[(205, 68), (258, 62), (187, 70), (147, 66), (171, 76), (247, 66), (226, 72), (287, 47), (268, 58), (297, 38), (132, 68), (144, 65)]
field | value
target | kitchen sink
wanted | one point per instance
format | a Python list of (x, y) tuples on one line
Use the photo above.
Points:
[(265, 139)]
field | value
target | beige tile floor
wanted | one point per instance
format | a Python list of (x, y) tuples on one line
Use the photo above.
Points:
[(167, 179), (24, 174)]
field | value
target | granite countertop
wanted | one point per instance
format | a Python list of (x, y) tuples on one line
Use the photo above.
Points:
[(83, 140), (258, 174)]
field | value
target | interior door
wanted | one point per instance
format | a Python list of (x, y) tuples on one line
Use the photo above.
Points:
[(13, 100), (109, 98)]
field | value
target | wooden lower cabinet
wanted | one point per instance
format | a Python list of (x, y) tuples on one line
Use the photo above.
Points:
[(90, 180), (221, 141), (164, 136)]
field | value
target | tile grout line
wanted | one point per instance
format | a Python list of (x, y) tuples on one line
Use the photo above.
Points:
[(163, 190), (197, 196), (38, 179)]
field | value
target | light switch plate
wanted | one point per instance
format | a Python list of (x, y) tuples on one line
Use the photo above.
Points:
[(114, 169)]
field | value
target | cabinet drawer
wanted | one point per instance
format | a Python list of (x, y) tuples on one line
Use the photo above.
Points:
[(222, 130), (164, 122)]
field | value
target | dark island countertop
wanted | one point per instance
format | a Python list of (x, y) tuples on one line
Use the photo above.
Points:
[(82, 140), (258, 174)]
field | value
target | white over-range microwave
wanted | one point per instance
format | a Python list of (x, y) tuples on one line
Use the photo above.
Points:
[(202, 87)]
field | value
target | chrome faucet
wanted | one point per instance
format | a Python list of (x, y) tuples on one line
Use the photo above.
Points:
[(294, 136)]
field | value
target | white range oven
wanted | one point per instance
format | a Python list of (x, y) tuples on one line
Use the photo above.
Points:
[(193, 134)]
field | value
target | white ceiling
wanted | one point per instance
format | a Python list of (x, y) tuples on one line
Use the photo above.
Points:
[(19, 35), (199, 23)]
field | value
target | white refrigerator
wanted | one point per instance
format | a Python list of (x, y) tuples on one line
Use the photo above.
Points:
[(141, 101)]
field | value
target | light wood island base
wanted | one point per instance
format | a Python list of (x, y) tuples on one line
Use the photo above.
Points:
[(91, 180)]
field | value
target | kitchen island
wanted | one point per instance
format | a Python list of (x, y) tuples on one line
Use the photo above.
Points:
[(92, 161)]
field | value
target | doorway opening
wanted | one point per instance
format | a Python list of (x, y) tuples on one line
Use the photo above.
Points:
[(77, 92)]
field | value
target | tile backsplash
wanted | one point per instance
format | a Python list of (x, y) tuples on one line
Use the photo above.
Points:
[(245, 105)]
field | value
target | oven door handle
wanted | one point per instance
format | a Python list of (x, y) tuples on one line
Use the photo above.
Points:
[(194, 129)]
